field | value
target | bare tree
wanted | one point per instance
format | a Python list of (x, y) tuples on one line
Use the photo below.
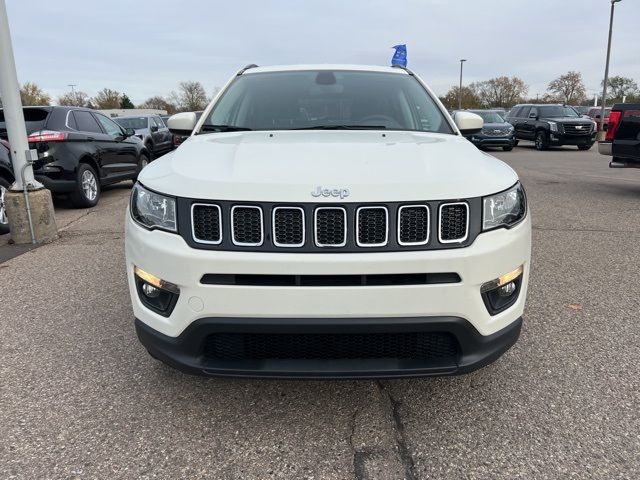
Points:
[(32, 94), (191, 96), (106, 99), (469, 98), (500, 91), (568, 88), (74, 99), (159, 103), (619, 87)]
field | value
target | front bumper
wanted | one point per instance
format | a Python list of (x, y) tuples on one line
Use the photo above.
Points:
[(457, 308), (559, 139), (189, 352), (489, 141)]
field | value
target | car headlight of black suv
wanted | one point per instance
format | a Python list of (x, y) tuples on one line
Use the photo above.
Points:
[(153, 210), (504, 209)]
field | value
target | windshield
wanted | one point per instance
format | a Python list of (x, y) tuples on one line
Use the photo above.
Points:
[(489, 117), (137, 123), (326, 99), (551, 111)]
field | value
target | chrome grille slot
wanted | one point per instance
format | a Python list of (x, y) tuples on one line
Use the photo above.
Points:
[(206, 223), (247, 226), (454, 222), (330, 227), (577, 128), (413, 225), (372, 226), (288, 227)]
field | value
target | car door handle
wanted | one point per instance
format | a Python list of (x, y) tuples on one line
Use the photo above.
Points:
[(90, 139)]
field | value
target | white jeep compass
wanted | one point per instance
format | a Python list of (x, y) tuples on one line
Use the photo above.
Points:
[(327, 221)]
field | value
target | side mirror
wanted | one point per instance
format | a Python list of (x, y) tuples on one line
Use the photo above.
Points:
[(533, 116), (129, 132), (182, 123), (468, 123), (154, 128)]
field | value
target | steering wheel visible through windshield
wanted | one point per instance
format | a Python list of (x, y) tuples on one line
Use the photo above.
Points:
[(326, 99)]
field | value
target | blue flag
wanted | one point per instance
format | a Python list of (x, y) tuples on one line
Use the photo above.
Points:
[(400, 57)]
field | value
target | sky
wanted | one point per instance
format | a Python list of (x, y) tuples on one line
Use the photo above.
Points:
[(146, 47)]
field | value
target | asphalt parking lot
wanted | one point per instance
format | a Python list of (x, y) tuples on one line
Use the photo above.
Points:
[(80, 398)]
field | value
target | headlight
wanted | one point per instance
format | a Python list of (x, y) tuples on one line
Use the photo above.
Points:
[(511, 129), (504, 209), (152, 210), (553, 126)]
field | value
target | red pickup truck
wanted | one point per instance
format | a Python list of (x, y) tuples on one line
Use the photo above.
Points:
[(622, 141)]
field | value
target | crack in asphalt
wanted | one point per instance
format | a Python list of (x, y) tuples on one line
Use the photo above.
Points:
[(393, 406), (359, 456)]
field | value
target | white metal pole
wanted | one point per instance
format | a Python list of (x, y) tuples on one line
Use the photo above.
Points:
[(606, 68), (12, 106)]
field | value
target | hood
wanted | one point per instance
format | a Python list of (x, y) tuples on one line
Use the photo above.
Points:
[(142, 131), (497, 125), (286, 166), (568, 120)]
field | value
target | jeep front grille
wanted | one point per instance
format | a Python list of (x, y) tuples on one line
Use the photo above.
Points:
[(288, 227), (372, 226), (207, 223), (246, 227), (325, 227), (454, 222), (331, 227), (413, 225)]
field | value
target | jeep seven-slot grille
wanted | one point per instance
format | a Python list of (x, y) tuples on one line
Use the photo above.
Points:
[(453, 222), (413, 225), (322, 228), (330, 224), (332, 346), (372, 226), (288, 226), (247, 225)]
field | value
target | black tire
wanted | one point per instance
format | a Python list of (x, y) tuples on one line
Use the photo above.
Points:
[(87, 192), (507, 149), (585, 147), (542, 143), (143, 161), (149, 148), (515, 144), (4, 222)]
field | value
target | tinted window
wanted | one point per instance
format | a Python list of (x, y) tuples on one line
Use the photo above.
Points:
[(524, 112), (323, 98), (137, 123), (549, 111), (35, 119), (86, 122), (110, 126)]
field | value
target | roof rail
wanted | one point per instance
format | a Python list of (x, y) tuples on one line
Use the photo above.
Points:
[(251, 65), (403, 68)]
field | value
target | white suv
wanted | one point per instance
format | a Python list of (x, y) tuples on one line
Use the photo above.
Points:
[(327, 220)]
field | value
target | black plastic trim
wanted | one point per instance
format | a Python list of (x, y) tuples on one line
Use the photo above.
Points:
[(185, 352)]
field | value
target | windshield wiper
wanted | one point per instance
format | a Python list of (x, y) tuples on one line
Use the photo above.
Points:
[(223, 128), (343, 127)]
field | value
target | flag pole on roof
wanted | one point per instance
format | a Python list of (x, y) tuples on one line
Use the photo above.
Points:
[(400, 56)]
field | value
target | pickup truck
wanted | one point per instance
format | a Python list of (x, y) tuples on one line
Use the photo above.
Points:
[(622, 141)]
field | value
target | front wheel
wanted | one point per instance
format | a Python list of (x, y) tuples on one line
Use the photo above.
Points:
[(143, 162), (507, 148), (585, 147), (87, 190), (541, 140), (4, 221)]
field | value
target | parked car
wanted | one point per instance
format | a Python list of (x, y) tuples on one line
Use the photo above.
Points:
[(552, 125), (622, 141), (152, 130), (178, 139), (495, 132), (327, 221), (80, 150), (6, 179), (594, 114)]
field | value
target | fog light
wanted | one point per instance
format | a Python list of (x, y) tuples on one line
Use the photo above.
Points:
[(507, 290), (502, 292), (150, 291), (156, 294)]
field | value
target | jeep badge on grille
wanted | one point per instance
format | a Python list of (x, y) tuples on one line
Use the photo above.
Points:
[(330, 192)]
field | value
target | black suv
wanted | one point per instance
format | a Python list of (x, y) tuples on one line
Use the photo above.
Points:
[(79, 151), (552, 125)]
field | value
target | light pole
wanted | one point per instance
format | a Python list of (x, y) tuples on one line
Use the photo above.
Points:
[(606, 68), (462, 60), (72, 85)]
